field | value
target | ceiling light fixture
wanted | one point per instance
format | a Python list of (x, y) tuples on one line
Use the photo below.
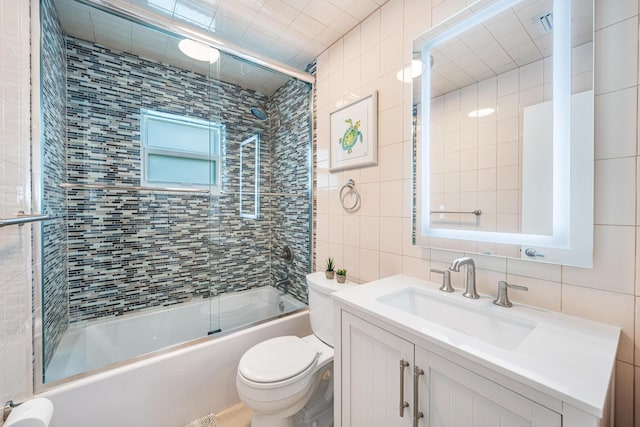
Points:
[(481, 112), (199, 51)]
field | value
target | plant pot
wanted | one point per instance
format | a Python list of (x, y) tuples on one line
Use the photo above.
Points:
[(329, 274), (341, 278)]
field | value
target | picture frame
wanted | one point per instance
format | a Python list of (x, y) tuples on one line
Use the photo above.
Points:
[(354, 134)]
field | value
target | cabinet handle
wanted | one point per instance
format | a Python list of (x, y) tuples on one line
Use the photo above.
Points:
[(403, 403), (416, 379)]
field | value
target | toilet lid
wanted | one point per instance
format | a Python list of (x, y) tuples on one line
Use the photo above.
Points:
[(277, 359)]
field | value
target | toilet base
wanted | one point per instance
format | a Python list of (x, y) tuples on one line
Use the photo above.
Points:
[(318, 411)]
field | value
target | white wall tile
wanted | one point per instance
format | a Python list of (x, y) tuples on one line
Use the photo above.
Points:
[(390, 162), (369, 265), (390, 264), (608, 12), (615, 191), (615, 127), (637, 334), (370, 31), (391, 198), (352, 72), (391, 91), (606, 307), (336, 229), (351, 47), (351, 262), (15, 247), (351, 232), (336, 57), (370, 232), (391, 235), (391, 19), (540, 293), (617, 56), (624, 395), (535, 270), (487, 281), (389, 131), (416, 267), (370, 68), (613, 261)]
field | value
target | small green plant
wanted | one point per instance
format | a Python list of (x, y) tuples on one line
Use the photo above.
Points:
[(330, 264), (341, 272)]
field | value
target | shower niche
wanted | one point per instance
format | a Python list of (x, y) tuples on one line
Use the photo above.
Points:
[(170, 196)]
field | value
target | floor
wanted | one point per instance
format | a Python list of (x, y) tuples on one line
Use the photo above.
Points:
[(237, 415)]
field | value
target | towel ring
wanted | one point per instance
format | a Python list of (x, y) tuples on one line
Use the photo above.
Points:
[(351, 187)]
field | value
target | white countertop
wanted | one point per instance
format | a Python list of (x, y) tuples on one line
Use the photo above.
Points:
[(569, 358)]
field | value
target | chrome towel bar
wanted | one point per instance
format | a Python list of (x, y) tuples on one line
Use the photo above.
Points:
[(477, 212), (22, 218)]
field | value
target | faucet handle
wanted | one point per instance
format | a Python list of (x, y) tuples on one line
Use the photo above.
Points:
[(446, 280), (503, 297)]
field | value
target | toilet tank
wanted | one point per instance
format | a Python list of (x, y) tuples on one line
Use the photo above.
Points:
[(321, 304)]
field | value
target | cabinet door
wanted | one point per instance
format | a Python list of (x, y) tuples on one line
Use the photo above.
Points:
[(452, 396), (371, 379)]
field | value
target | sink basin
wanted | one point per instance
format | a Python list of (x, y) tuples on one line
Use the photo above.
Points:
[(470, 318)]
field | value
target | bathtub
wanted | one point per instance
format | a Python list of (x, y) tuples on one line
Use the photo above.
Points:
[(174, 387), (94, 344)]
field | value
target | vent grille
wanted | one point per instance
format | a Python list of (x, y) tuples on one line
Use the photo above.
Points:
[(544, 22)]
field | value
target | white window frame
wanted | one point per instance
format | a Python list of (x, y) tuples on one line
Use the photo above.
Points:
[(216, 133)]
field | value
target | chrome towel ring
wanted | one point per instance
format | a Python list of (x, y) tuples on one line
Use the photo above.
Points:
[(350, 188)]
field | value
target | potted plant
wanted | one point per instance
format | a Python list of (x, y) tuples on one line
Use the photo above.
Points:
[(341, 275), (329, 271)]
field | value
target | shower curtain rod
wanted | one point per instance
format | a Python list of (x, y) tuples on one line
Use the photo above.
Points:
[(160, 23)]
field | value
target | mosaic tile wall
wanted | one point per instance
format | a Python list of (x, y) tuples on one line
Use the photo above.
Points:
[(291, 160), (53, 98), (130, 250)]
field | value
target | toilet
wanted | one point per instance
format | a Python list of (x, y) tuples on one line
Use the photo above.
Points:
[(288, 381)]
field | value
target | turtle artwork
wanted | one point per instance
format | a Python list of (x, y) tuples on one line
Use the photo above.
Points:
[(350, 136)]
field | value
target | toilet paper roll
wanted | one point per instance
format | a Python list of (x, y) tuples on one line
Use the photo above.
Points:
[(32, 413)]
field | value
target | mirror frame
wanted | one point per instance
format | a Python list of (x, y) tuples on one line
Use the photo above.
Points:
[(563, 241)]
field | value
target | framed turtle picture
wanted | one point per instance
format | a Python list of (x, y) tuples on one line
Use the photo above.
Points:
[(354, 134)]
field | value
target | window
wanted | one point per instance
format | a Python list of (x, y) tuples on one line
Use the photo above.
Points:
[(179, 151)]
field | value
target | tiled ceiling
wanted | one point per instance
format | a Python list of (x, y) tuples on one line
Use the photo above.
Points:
[(293, 32)]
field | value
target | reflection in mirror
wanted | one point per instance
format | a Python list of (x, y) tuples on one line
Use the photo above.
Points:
[(249, 177), (506, 166)]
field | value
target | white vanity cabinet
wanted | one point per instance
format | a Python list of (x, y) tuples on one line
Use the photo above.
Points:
[(373, 385), (452, 396), (384, 358)]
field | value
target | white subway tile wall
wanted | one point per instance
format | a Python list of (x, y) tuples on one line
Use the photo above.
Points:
[(15, 195), (609, 292)]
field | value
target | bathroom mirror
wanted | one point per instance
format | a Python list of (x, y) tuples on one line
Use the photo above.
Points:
[(249, 176), (503, 131)]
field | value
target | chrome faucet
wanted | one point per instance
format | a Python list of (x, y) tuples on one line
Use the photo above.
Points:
[(470, 282)]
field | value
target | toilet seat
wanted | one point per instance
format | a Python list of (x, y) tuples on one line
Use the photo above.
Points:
[(277, 362)]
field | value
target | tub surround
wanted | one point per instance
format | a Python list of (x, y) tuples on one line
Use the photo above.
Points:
[(54, 165)]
